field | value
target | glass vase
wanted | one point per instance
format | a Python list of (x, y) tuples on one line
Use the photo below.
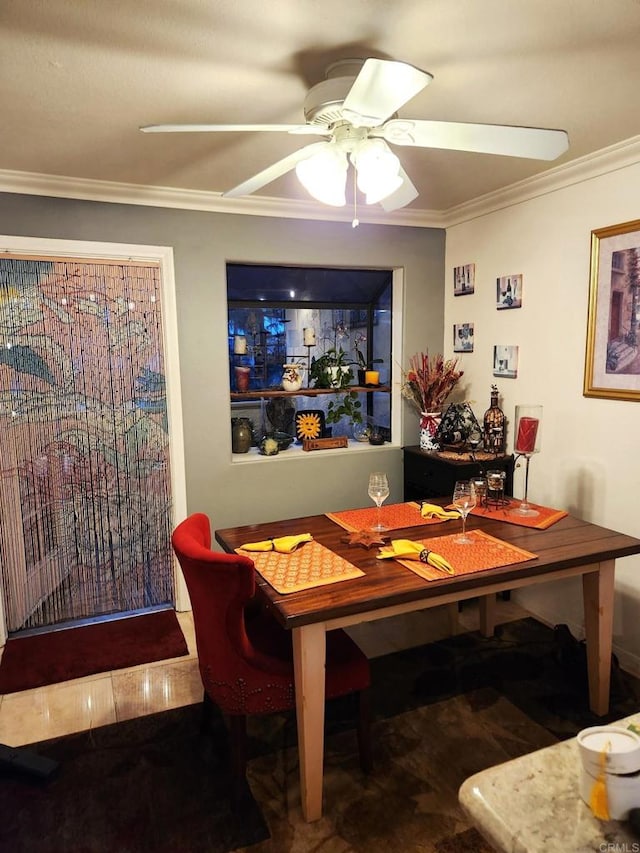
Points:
[(527, 442)]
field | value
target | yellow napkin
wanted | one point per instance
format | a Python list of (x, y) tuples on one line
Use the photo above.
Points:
[(405, 549), (283, 545), (435, 511)]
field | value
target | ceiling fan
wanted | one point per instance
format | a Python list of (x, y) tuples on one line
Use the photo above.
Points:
[(355, 108)]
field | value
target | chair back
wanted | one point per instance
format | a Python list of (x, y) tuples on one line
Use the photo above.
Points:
[(219, 586)]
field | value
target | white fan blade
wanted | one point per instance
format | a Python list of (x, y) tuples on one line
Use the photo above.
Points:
[(274, 171), (402, 196), (381, 88), (315, 130), (533, 142)]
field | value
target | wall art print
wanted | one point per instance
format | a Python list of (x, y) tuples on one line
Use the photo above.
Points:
[(84, 455), (464, 279), (612, 362), (463, 337), (505, 361), (509, 292)]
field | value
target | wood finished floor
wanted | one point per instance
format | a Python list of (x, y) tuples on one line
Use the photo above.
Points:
[(97, 700)]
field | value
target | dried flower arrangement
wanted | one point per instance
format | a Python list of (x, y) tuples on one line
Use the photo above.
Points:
[(429, 381)]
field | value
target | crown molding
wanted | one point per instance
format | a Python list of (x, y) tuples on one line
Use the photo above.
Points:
[(87, 189), (606, 160), (618, 156)]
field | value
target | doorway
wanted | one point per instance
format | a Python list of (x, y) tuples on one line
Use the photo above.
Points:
[(85, 463)]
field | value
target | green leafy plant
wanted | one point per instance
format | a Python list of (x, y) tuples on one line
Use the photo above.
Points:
[(349, 406), (322, 373)]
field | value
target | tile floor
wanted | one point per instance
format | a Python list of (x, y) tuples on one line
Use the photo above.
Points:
[(110, 697)]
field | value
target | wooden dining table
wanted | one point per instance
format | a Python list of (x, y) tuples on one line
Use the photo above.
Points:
[(570, 547)]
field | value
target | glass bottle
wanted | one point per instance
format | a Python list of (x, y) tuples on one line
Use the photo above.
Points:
[(494, 432)]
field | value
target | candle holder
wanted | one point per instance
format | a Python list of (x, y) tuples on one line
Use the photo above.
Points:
[(494, 494), (239, 345), (528, 423), (309, 347)]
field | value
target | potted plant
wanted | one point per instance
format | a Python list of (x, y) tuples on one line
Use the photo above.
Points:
[(362, 364), (331, 370), (349, 406)]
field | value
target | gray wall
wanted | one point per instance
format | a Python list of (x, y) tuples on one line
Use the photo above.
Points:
[(203, 242)]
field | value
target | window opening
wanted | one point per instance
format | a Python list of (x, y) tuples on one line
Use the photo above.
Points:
[(310, 317)]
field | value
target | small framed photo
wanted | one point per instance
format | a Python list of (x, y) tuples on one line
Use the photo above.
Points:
[(509, 292), (464, 278), (505, 361), (463, 337)]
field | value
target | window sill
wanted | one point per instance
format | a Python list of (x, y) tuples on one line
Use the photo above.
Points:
[(296, 452)]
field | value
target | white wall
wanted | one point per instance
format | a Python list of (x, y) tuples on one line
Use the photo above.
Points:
[(589, 459)]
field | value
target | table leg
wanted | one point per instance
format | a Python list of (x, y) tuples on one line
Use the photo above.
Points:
[(487, 606), (309, 657), (453, 618), (597, 593)]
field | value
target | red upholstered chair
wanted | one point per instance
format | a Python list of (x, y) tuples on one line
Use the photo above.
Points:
[(245, 657)]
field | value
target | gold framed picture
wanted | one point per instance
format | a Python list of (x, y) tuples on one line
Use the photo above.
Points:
[(612, 362)]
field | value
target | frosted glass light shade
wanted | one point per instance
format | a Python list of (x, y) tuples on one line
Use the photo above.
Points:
[(324, 176), (378, 170)]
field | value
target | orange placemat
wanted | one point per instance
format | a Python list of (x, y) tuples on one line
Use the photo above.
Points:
[(310, 565), (546, 517), (486, 552), (393, 516)]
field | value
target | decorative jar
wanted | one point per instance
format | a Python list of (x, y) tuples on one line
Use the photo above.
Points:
[(240, 435), (292, 376), (495, 426), (362, 431), (429, 423), (242, 378)]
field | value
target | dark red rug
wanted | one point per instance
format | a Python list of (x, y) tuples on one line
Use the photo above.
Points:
[(74, 652)]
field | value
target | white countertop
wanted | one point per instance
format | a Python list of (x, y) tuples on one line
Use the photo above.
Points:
[(532, 805)]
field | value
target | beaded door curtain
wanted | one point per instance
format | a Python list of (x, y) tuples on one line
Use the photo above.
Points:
[(85, 495)]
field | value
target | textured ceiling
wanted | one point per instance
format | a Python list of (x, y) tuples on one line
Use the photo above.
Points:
[(78, 77)]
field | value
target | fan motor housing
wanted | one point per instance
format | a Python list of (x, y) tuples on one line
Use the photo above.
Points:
[(323, 103)]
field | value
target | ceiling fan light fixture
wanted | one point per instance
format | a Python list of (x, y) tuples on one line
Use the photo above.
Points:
[(324, 176), (382, 189), (378, 170)]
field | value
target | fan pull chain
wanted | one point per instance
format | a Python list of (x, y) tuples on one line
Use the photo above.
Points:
[(355, 222)]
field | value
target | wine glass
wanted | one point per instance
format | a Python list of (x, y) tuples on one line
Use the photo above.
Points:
[(464, 500), (378, 492)]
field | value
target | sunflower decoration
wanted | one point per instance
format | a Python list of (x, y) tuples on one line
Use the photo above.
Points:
[(309, 424)]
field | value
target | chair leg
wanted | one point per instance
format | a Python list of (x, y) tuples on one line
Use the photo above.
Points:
[(207, 714), (364, 730), (238, 738)]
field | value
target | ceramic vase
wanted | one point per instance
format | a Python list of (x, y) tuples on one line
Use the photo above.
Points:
[(429, 423), (240, 435), (292, 376), (336, 374)]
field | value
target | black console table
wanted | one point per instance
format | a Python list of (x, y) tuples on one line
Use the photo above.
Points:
[(430, 474)]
